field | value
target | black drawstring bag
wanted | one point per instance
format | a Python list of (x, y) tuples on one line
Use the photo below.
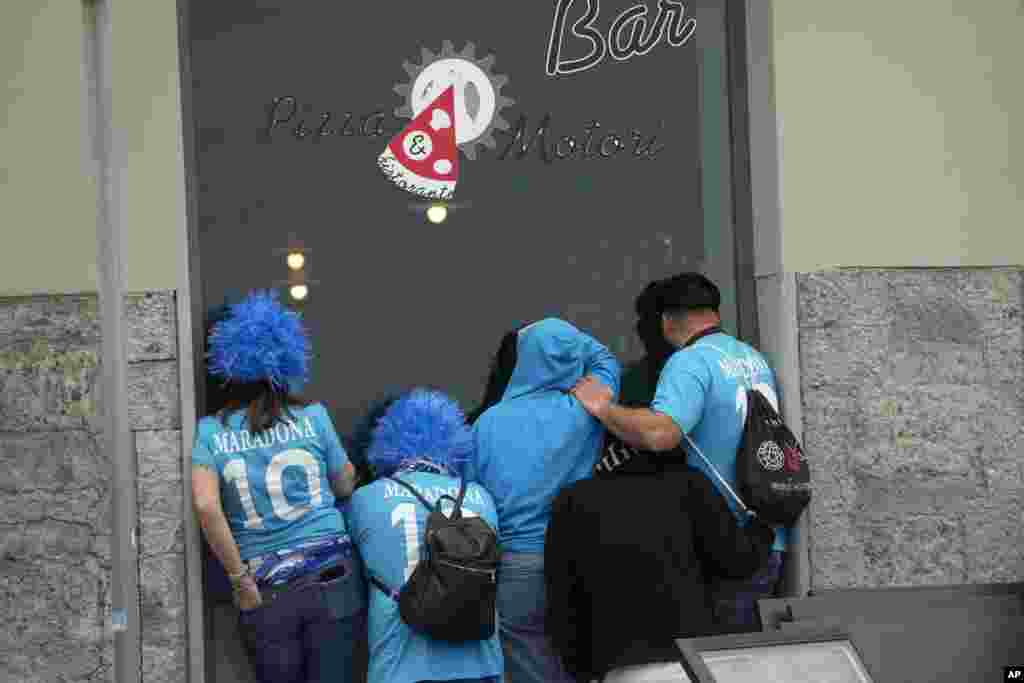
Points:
[(771, 468), (452, 592)]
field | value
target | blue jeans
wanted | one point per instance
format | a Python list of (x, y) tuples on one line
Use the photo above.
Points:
[(529, 657), (736, 601), (309, 634)]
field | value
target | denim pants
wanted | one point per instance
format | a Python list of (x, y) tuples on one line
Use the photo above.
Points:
[(736, 601), (309, 634), (529, 657)]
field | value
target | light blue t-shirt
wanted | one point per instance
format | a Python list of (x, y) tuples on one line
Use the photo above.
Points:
[(387, 524), (274, 485), (703, 389), (539, 439)]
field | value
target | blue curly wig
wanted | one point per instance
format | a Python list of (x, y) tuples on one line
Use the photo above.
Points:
[(358, 440), (423, 425), (260, 340)]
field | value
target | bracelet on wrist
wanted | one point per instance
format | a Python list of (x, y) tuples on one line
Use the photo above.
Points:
[(244, 584), (236, 579)]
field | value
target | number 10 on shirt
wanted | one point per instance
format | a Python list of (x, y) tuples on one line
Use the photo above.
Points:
[(237, 472), (404, 516)]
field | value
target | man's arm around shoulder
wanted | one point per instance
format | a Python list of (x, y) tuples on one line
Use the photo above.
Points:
[(639, 427)]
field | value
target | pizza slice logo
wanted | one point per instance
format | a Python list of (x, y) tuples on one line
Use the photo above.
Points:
[(423, 158), (454, 101)]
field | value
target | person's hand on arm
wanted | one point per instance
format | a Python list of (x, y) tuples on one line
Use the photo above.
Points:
[(638, 427), (343, 483), (207, 504), (601, 364)]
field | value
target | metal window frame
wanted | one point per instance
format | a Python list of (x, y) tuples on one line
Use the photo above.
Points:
[(103, 160), (192, 373), (773, 288)]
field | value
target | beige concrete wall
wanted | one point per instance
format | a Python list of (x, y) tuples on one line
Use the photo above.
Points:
[(900, 132), (48, 199), (147, 109), (48, 203), (897, 145)]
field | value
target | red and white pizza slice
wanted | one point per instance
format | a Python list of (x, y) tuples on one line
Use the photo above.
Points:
[(423, 158)]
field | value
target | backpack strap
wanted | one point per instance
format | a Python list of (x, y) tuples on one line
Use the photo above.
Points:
[(456, 512), (384, 588), (381, 586), (411, 489), (721, 479), (693, 444), (456, 502)]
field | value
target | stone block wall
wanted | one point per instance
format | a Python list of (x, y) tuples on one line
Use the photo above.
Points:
[(912, 389), (55, 561), (154, 406)]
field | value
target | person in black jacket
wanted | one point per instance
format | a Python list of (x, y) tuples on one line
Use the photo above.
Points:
[(640, 379), (628, 557), (629, 554), (700, 404)]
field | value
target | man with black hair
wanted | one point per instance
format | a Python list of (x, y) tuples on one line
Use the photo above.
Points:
[(700, 403), (640, 378)]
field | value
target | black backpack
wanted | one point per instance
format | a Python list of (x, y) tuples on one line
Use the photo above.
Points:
[(451, 594), (771, 468)]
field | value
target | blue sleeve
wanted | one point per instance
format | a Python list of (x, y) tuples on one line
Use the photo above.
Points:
[(353, 518), (473, 469), (201, 453), (335, 453), (490, 512), (601, 363), (469, 472), (681, 390)]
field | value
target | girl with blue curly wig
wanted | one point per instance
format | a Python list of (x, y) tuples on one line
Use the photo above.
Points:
[(267, 469), (418, 439)]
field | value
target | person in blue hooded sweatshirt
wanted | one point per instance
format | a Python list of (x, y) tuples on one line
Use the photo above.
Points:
[(533, 438), (420, 438)]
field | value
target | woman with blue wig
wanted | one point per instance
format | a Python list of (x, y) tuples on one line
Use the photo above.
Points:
[(267, 468), (420, 440), (532, 439)]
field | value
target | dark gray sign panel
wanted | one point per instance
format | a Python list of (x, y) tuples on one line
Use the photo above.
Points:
[(578, 176)]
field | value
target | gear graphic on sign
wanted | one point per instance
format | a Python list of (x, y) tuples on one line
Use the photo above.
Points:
[(478, 98), (770, 456)]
